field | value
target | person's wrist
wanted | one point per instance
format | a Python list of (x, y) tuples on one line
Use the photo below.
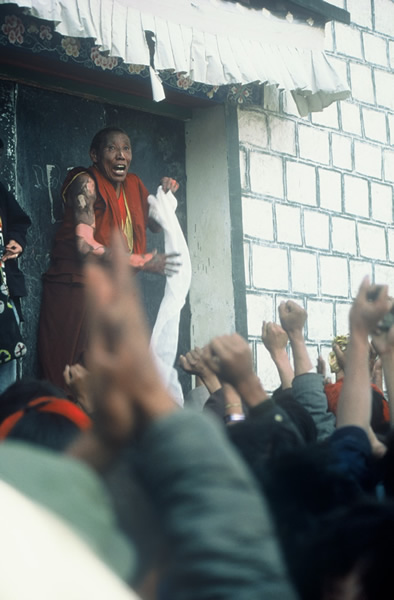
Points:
[(211, 382), (296, 335), (252, 391), (279, 355)]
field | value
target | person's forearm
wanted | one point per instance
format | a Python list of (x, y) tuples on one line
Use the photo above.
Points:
[(252, 391), (354, 406), (302, 361), (211, 382), (284, 368)]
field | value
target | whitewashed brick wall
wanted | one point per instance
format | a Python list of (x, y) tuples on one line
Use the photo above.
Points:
[(318, 192)]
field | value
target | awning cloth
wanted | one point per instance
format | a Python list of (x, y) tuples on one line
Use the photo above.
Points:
[(211, 41)]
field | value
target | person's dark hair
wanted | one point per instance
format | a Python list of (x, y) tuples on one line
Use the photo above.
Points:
[(302, 487), (101, 135), (20, 393), (357, 540), (53, 431)]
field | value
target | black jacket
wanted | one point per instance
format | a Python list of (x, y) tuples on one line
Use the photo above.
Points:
[(15, 225)]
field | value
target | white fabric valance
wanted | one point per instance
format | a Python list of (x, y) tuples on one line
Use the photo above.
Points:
[(211, 41)]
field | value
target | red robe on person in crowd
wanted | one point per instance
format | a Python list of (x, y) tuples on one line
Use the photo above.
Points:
[(333, 391), (63, 333)]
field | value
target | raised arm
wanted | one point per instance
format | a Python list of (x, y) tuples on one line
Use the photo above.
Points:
[(292, 318), (196, 479), (307, 385), (275, 339), (354, 406)]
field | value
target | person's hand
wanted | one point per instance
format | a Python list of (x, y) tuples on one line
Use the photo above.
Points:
[(169, 185), (77, 379), (274, 338), (292, 317), (193, 362), (12, 250), (163, 264), (383, 342), (371, 304), (125, 381), (229, 356)]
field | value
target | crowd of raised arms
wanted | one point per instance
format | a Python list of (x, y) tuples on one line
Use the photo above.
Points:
[(110, 490), (239, 495)]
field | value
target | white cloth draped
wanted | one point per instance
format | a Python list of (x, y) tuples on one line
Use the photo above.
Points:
[(212, 41), (164, 340)]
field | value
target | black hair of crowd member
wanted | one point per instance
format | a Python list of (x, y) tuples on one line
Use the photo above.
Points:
[(45, 429), (101, 135), (357, 540)]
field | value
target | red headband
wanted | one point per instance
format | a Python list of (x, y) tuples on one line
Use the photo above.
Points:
[(49, 404)]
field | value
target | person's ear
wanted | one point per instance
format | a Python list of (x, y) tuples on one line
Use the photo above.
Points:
[(93, 155)]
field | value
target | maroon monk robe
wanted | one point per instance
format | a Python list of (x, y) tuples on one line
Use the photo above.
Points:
[(63, 331)]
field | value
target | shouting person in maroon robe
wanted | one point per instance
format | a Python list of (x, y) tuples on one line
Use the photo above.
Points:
[(98, 200)]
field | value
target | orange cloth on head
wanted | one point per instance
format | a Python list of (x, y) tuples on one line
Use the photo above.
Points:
[(333, 390), (49, 404)]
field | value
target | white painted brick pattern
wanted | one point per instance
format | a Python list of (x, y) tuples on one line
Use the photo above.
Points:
[(372, 241), (288, 224), (342, 151), (313, 144), (334, 276), (341, 312), (358, 270), (301, 183), (304, 273), (356, 195), (330, 190), (270, 268), (257, 218), (316, 229), (348, 40), (260, 308), (360, 11), (266, 174), (318, 191), (375, 125), (361, 83), (320, 323), (344, 235), (382, 202), (375, 49), (368, 159)]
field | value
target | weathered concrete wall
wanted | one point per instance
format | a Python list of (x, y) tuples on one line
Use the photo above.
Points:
[(209, 226), (318, 192)]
